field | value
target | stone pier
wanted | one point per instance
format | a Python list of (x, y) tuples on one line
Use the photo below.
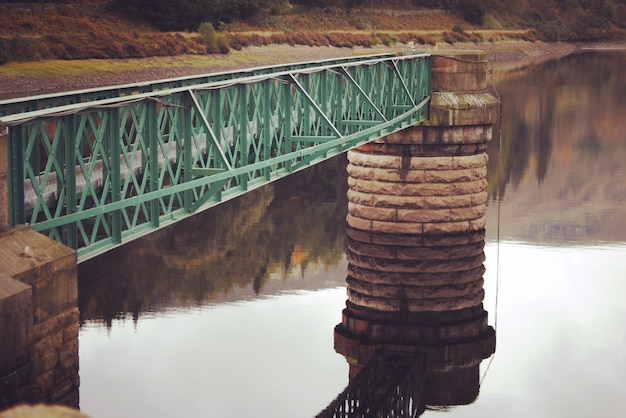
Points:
[(416, 219), (38, 320)]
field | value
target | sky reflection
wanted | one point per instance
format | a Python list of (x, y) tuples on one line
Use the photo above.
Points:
[(272, 356), (561, 329)]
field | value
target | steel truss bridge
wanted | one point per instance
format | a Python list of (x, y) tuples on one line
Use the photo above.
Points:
[(97, 168)]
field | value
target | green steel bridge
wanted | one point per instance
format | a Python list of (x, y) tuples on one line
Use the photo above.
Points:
[(97, 168)]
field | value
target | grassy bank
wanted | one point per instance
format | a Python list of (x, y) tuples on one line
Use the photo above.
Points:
[(93, 30)]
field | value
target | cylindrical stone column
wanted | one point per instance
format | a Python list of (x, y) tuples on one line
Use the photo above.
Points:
[(416, 218)]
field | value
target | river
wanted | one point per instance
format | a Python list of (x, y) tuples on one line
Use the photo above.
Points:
[(231, 313)]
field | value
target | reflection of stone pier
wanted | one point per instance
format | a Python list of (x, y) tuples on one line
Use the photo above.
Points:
[(431, 303), (416, 219)]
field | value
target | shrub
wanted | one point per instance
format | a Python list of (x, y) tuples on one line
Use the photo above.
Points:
[(448, 37), (208, 34), (222, 45), (23, 49)]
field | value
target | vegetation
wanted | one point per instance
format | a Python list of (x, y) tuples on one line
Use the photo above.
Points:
[(81, 29)]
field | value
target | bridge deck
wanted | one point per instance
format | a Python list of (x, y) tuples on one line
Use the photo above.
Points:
[(94, 169)]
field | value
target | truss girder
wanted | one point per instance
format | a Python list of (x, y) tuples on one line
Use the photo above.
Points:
[(95, 175)]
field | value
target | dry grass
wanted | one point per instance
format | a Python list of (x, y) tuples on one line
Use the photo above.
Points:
[(52, 68), (69, 33)]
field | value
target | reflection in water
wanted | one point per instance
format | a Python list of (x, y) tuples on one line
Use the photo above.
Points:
[(419, 294), (260, 237), (563, 151), (561, 316)]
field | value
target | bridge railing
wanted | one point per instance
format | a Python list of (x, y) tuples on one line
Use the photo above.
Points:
[(45, 101), (98, 173)]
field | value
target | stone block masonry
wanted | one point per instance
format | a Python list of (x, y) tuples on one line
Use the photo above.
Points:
[(38, 320), (416, 225)]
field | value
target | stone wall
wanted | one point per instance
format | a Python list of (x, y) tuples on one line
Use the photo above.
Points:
[(38, 320)]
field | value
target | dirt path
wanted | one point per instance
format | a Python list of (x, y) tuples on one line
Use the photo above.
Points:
[(500, 54)]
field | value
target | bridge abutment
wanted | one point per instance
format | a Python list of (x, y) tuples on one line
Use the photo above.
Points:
[(416, 219), (38, 320)]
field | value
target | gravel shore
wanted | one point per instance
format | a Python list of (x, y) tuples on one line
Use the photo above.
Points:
[(507, 54)]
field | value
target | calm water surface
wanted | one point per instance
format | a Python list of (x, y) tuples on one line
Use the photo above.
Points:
[(232, 313)]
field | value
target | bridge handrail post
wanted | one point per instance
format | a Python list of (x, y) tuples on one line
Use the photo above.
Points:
[(243, 134), (15, 207), (153, 141), (187, 135), (4, 178), (69, 144), (114, 150), (267, 117)]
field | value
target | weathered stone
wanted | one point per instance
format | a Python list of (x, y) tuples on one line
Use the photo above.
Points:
[(388, 201), (463, 109), (414, 251), (385, 266), (448, 202), (372, 250), (359, 235), (399, 228), (416, 305), (471, 213), (46, 271), (16, 320), (446, 253), (46, 362), (465, 72), (455, 176), (446, 227), (359, 223), (368, 212), (414, 291), (415, 162), (438, 135), (417, 189), (416, 176), (375, 275), (423, 215)]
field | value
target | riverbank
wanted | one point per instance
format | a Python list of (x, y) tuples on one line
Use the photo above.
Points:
[(34, 78)]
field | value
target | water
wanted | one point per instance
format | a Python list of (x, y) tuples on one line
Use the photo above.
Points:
[(232, 313)]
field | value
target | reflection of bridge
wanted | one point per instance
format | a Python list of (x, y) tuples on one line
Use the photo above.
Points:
[(391, 385), (97, 168)]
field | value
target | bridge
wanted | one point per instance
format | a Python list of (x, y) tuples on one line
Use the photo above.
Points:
[(96, 168), (90, 170)]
